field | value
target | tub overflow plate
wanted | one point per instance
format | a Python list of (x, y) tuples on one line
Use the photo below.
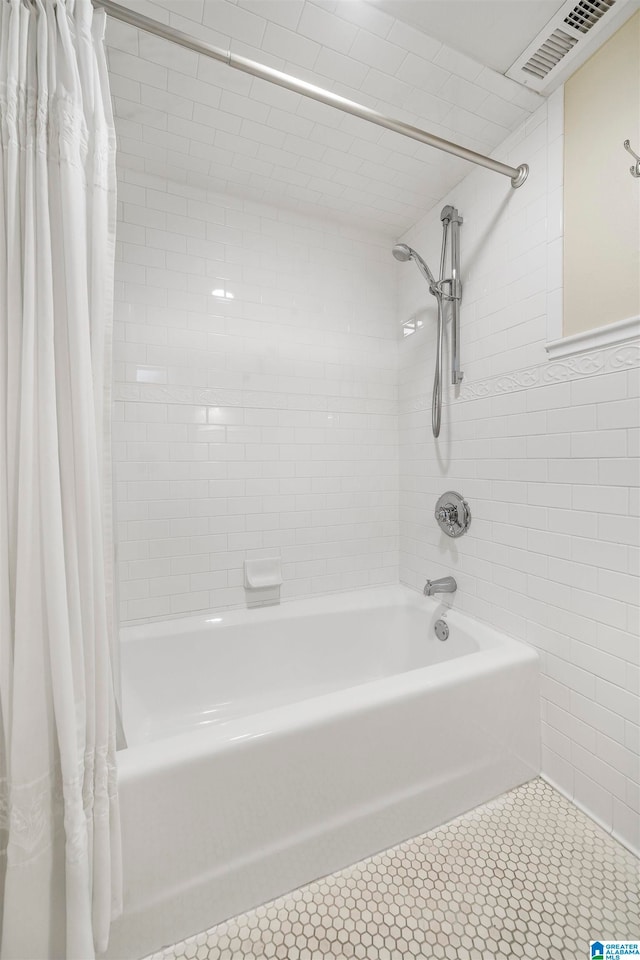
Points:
[(442, 629)]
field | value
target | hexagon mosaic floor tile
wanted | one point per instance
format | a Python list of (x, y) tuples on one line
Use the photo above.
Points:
[(527, 875)]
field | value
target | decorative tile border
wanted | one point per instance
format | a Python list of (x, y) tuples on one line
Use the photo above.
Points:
[(625, 357)]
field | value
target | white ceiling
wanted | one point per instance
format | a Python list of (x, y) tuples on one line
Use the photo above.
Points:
[(494, 32), (189, 118)]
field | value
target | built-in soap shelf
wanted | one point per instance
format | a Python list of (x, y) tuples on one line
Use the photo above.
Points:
[(262, 581)]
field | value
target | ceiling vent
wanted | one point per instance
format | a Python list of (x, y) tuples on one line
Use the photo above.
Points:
[(565, 42), (549, 54), (585, 15)]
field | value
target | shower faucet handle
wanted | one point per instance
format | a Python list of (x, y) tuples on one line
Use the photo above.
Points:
[(453, 514), (448, 514)]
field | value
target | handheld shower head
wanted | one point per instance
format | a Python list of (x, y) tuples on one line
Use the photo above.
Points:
[(448, 293), (403, 252)]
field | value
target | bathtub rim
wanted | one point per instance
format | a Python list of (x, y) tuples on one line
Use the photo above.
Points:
[(496, 651), (367, 598)]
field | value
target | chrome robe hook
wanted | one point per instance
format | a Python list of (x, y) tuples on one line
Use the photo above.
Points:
[(634, 169)]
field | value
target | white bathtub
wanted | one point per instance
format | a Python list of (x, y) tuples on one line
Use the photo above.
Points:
[(270, 747)]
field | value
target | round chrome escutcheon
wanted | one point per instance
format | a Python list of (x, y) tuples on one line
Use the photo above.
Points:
[(442, 629), (453, 514)]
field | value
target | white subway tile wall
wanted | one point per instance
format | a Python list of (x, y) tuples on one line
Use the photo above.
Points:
[(546, 454), (255, 414)]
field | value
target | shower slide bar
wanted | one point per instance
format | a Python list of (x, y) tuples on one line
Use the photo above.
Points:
[(517, 175)]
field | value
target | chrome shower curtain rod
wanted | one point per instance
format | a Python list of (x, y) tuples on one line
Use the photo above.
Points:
[(517, 175)]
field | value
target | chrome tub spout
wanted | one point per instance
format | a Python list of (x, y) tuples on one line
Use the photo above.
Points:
[(443, 585)]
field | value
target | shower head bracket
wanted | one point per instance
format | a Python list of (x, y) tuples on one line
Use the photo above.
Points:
[(449, 213)]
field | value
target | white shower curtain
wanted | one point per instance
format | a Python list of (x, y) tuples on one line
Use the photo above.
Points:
[(60, 869)]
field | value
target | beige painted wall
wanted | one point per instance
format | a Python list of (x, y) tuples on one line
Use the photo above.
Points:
[(601, 198)]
